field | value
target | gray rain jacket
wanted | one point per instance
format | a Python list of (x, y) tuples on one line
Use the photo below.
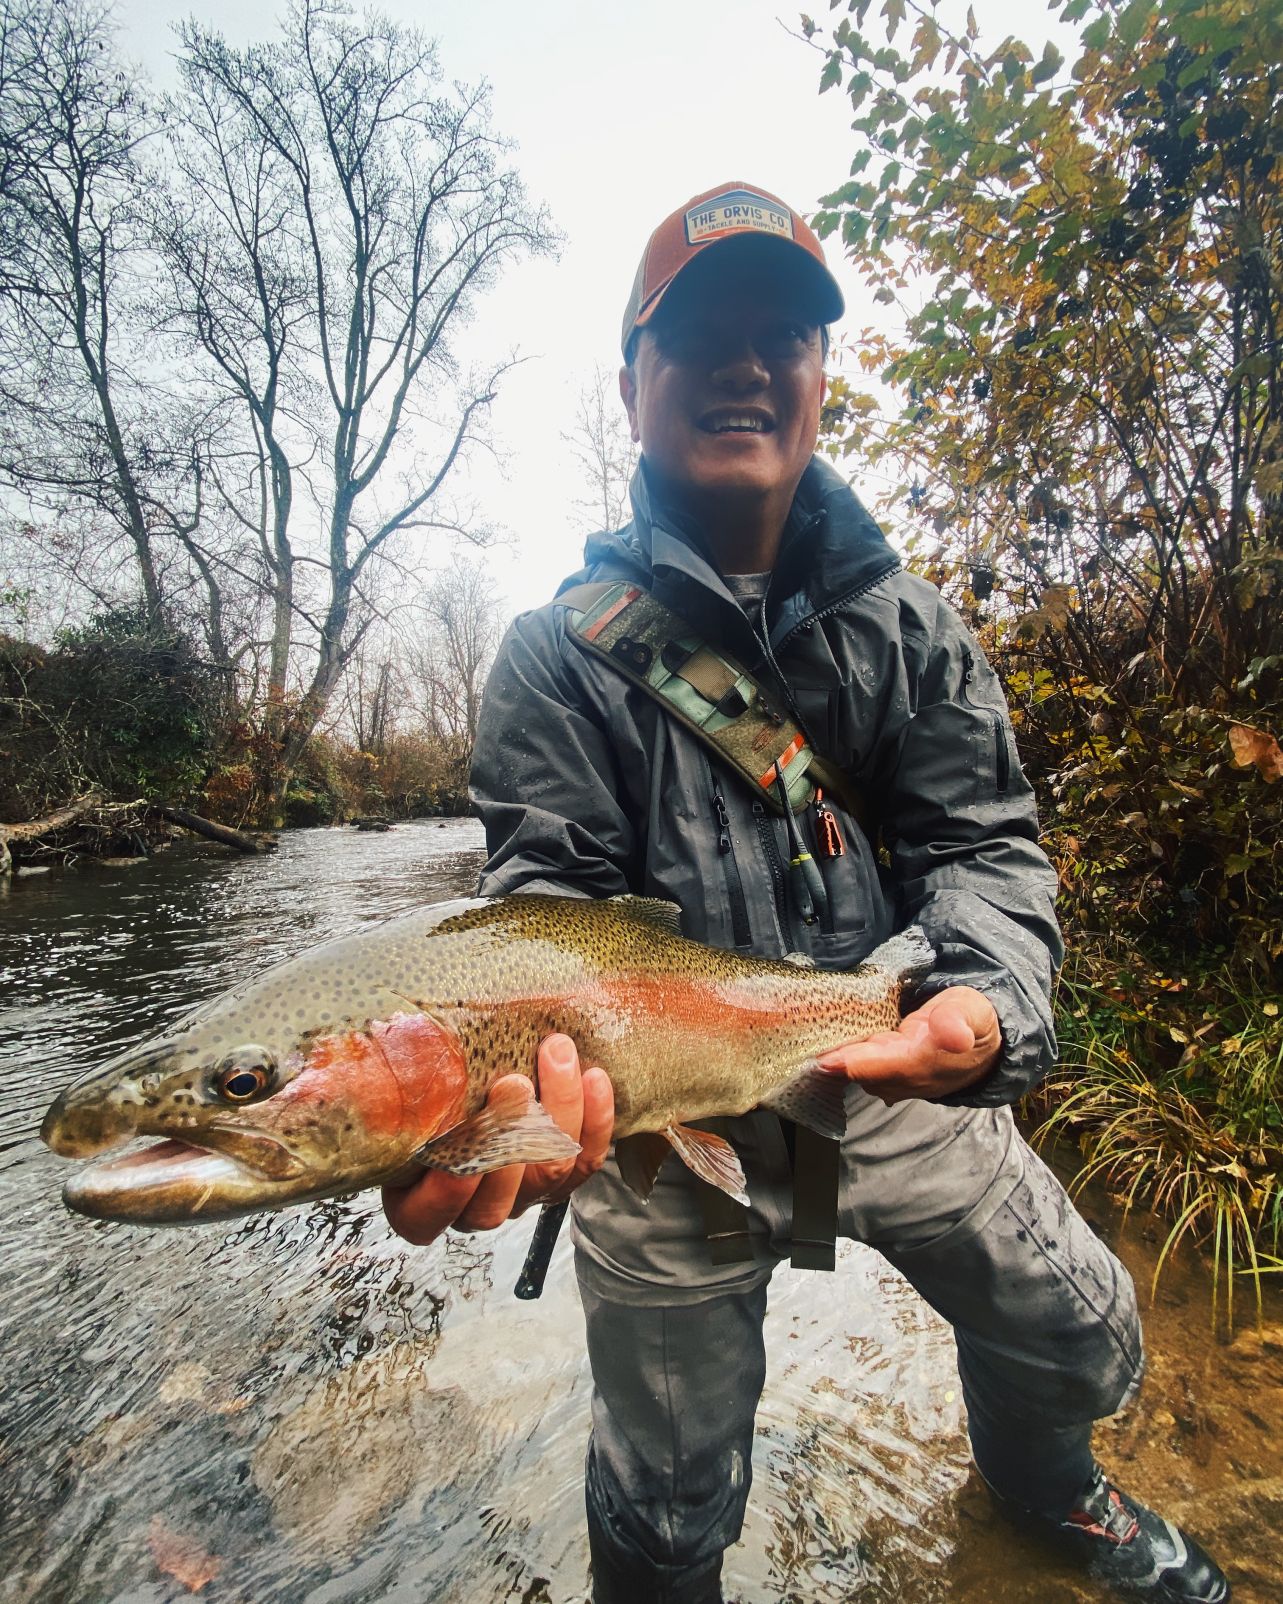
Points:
[(587, 787)]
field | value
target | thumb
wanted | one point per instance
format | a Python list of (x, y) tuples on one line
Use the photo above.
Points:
[(951, 1031)]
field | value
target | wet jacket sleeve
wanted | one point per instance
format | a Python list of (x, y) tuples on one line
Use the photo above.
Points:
[(962, 832), (544, 776)]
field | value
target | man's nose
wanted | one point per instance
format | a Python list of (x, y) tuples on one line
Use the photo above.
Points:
[(739, 366)]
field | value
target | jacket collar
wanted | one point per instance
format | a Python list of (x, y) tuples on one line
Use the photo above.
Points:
[(831, 547)]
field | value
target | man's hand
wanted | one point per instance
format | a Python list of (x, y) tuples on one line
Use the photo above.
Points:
[(582, 1104), (949, 1043)]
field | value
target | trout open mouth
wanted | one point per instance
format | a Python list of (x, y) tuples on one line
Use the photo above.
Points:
[(173, 1181)]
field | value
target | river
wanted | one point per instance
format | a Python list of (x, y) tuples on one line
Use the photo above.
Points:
[(303, 1408)]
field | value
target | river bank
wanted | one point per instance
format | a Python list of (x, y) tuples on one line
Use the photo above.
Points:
[(301, 1407)]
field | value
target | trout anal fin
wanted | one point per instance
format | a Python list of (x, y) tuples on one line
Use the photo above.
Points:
[(639, 1158), (513, 1130), (710, 1157), (815, 1098)]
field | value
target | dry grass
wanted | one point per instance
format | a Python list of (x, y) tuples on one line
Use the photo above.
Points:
[(1169, 1086)]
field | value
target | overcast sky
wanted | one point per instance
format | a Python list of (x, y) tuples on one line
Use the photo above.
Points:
[(619, 113)]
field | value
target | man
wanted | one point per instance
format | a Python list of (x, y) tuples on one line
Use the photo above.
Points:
[(588, 786)]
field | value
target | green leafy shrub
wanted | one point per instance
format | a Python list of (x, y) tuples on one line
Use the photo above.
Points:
[(123, 705)]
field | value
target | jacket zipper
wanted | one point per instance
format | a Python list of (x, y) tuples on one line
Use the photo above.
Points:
[(734, 884), (771, 849), (1002, 758), (841, 601), (806, 623)]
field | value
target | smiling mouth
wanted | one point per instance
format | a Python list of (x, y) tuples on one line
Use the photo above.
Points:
[(736, 423)]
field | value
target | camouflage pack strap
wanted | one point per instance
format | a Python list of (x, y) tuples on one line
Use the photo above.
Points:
[(704, 689)]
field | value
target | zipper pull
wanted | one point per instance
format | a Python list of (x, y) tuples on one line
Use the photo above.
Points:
[(828, 837), (723, 823)]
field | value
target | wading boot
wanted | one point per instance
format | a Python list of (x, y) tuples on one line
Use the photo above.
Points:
[(618, 1578), (1129, 1548)]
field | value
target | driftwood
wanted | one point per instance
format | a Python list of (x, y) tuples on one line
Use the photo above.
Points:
[(242, 840), (34, 828), (90, 827)]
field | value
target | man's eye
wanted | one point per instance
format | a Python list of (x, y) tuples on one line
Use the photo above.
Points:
[(683, 342), (783, 338)]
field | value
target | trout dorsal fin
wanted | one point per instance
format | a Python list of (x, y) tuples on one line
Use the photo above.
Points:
[(665, 916)]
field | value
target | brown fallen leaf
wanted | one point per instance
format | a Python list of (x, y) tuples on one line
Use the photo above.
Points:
[(1256, 748), (181, 1557)]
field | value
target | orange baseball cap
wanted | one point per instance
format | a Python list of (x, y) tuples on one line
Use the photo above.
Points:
[(733, 211)]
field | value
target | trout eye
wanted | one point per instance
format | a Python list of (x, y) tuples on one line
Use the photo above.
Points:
[(245, 1074)]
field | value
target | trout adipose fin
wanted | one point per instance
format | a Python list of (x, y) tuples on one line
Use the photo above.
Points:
[(518, 1130)]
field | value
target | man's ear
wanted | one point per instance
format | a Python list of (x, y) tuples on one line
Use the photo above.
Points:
[(628, 395)]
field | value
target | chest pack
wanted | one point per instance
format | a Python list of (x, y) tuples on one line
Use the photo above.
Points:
[(721, 704)]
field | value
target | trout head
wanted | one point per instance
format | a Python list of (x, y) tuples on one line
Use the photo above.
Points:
[(247, 1124)]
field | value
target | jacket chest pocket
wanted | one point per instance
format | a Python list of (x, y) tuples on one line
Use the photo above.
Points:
[(756, 853)]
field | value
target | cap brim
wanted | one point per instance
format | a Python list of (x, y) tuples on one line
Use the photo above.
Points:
[(753, 253)]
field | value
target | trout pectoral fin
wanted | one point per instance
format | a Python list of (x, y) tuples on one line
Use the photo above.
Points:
[(711, 1157), (815, 1098), (639, 1157), (518, 1130)]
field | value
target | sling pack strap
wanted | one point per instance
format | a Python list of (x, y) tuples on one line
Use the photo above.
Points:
[(706, 690)]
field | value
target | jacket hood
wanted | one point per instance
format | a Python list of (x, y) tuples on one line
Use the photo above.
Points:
[(831, 547)]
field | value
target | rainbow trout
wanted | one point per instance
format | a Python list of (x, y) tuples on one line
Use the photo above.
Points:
[(369, 1058)]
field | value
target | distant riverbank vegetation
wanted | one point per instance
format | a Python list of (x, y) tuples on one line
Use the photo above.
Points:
[(1077, 397), (126, 706), (234, 564)]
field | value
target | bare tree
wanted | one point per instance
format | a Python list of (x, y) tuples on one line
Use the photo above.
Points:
[(345, 210), (374, 691), (448, 661), (86, 421), (605, 451)]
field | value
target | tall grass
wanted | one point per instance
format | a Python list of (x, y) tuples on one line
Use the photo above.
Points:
[(1170, 1086)]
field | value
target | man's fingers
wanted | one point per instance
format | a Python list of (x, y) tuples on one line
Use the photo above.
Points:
[(599, 1120), (560, 1085), (951, 1031), (889, 1050), (421, 1212), (492, 1202)]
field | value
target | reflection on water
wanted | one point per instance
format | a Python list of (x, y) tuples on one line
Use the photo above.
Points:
[(302, 1407)]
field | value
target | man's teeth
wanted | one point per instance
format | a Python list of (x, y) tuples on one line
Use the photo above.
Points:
[(739, 425)]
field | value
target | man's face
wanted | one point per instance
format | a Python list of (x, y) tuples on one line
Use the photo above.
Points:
[(724, 392)]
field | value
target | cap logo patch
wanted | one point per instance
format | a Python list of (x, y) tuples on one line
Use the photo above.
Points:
[(735, 210)]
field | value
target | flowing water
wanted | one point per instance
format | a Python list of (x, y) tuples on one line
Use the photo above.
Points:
[(301, 1407)]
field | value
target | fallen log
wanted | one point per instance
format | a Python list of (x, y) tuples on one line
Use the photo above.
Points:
[(33, 829), (51, 822), (242, 840)]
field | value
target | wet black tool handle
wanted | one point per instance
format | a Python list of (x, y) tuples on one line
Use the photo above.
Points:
[(543, 1240)]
